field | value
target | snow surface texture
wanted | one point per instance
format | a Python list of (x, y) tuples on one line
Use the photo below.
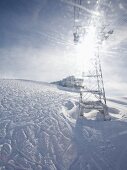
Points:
[(40, 129)]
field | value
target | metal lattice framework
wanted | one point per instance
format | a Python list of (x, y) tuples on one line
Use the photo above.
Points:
[(92, 93), (78, 28)]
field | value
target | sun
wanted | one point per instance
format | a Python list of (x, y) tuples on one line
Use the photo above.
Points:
[(87, 48)]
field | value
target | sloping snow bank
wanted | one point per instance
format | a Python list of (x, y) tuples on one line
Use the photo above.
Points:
[(40, 129), (33, 127)]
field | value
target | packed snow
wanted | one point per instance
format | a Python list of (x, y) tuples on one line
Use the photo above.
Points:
[(40, 129)]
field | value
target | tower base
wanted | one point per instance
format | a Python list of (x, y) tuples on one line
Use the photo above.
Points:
[(87, 107)]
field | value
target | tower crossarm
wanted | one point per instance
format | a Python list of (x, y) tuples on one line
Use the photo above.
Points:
[(85, 76), (93, 91)]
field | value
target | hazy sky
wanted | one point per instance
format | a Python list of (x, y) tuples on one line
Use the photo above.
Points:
[(37, 41)]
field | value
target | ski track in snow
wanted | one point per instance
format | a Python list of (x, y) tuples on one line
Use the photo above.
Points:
[(40, 129)]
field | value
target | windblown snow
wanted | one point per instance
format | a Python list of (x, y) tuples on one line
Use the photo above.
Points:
[(40, 130)]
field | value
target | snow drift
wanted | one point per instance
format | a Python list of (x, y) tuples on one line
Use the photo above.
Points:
[(40, 129)]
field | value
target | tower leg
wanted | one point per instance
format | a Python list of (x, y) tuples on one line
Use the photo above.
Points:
[(105, 113)]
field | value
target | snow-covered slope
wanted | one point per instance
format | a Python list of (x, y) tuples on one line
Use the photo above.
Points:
[(39, 129)]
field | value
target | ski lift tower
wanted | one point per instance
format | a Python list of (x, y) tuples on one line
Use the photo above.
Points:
[(92, 92)]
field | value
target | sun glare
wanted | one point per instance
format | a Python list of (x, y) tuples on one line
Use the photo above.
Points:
[(86, 49)]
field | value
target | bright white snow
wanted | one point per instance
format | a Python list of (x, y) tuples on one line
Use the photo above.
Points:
[(40, 129)]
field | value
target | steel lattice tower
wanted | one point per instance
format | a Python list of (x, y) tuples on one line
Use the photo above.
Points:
[(92, 92)]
